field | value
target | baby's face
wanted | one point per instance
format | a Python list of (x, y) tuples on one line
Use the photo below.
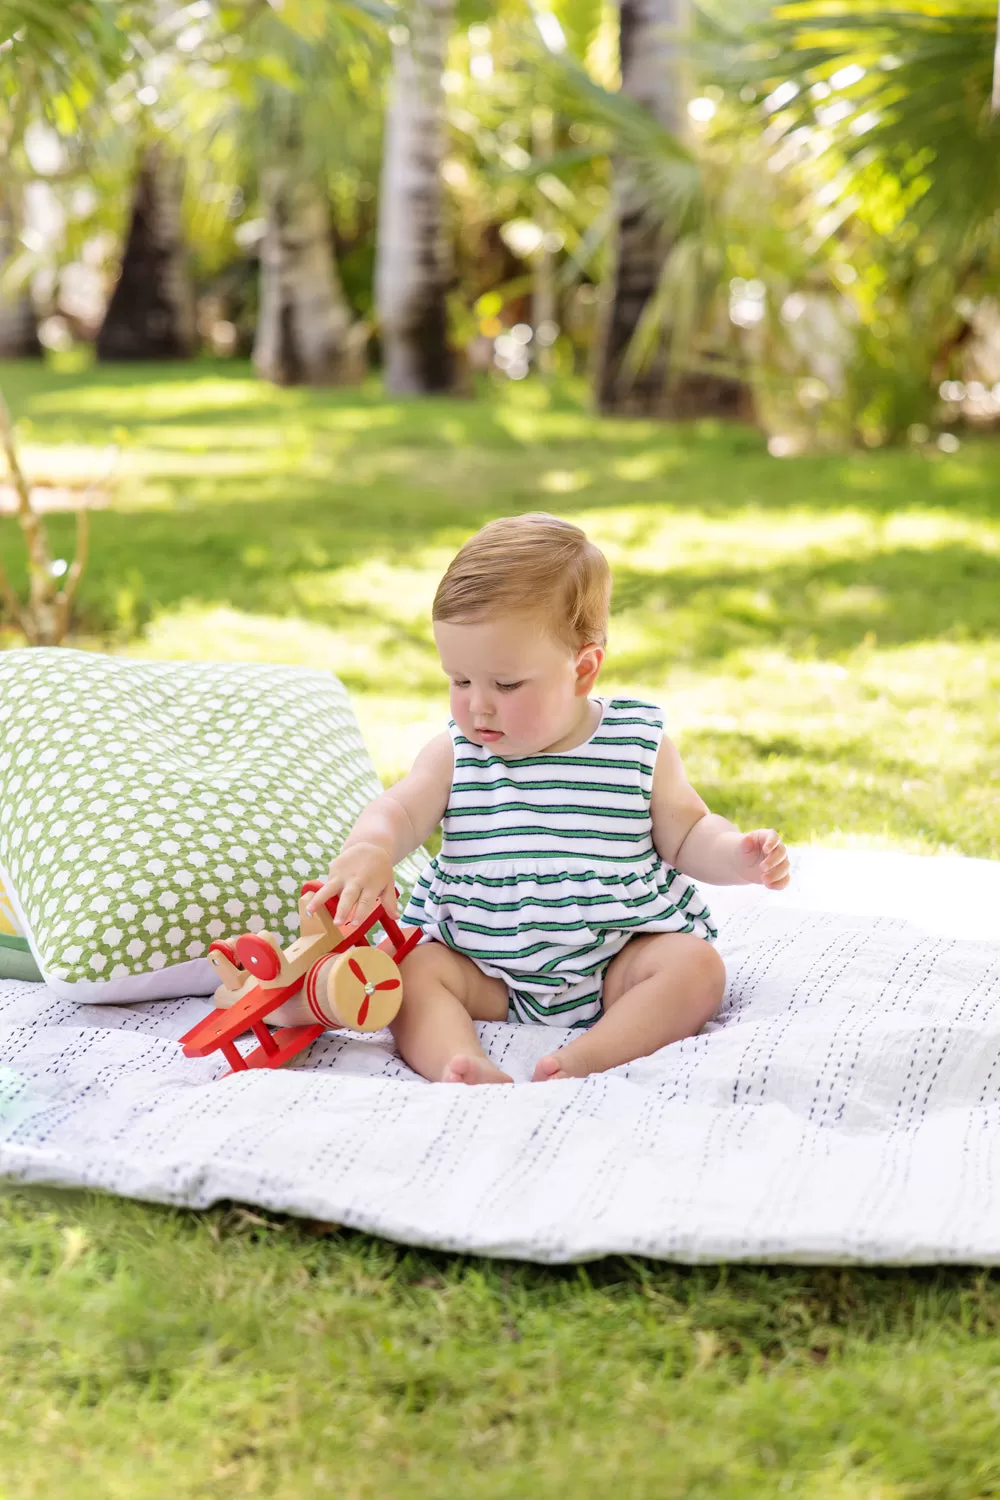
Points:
[(514, 685)]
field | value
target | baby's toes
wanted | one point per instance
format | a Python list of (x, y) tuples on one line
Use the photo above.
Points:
[(548, 1068), (464, 1069)]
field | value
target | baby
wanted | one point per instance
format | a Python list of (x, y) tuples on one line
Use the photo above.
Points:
[(563, 894)]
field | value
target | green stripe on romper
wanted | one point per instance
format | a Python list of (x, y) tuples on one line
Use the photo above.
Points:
[(543, 760), (532, 830), (563, 808), (518, 955), (528, 784), (586, 970), (485, 930), (446, 860), (535, 786), (634, 902), (530, 1004), (565, 756), (490, 954), (523, 875)]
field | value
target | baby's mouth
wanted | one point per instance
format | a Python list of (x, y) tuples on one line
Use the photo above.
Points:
[(490, 734)]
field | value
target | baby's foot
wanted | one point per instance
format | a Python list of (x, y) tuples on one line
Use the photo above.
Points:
[(561, 1064), (466, 1069)]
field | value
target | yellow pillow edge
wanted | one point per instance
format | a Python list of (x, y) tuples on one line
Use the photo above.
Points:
[(9, 925)]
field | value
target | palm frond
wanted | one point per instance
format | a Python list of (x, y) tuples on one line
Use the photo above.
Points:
[(665, 169), (903, 88), (56, 56), (39, 28), (580, 22), (290, 93)]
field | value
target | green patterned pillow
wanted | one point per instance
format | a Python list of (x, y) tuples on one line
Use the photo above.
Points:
[(147, 808)]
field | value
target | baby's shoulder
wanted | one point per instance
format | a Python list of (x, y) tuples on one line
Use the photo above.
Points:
[(436, 758), (627, 713)]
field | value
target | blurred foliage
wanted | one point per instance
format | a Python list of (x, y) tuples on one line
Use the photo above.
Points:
[(55, 53), (833, 206), (876, 119)]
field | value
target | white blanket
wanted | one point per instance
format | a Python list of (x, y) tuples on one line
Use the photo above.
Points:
[(844, 1106)]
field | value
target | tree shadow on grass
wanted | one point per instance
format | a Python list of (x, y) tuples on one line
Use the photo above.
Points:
[(286, 557), (713, 467), (275, 534), (824, 608), (823, 783), (215, 395)]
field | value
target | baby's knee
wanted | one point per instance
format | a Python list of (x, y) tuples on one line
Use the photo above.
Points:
[(423, 956), (421, 973), (430, 966), (426, 964), (711, 972), (433, 970)]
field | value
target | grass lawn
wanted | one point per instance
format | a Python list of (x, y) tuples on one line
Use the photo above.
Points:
[(825, 635)]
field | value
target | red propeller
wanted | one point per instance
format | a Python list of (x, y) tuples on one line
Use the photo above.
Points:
[(359, 974)]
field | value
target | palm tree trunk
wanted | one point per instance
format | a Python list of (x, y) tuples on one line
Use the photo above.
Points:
[(151, 312), (304, 325), (544, 297), (639, 243), (413, 268), (651, 73), (18, 324)]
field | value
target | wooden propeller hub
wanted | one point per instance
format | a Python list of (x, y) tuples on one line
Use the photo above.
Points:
[(360, 989)]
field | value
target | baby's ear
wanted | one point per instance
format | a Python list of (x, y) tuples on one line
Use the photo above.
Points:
[(588, 664)]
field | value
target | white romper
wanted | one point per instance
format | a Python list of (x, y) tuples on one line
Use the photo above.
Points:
[(547, 866)]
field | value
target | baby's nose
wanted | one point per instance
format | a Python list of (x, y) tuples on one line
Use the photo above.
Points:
[(480, 704)]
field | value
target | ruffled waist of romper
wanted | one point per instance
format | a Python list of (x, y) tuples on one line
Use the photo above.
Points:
[(551, 868), (567, 897)]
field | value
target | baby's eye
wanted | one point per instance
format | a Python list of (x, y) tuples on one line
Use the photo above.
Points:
[(509, 687), (459, 682)]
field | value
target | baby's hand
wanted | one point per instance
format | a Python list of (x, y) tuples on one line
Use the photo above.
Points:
[(362, 876), (764, 859)]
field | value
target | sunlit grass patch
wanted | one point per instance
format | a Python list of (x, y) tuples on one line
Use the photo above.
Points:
[(565, 481), (164, 399), (824, 635), (857, 751)]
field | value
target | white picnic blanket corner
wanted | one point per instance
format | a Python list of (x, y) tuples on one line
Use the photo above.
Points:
[(844, 1106)]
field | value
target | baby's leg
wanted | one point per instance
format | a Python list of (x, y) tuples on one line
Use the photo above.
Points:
[(661, 987), (443, 992)]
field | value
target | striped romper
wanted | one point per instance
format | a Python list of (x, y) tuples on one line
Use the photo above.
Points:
[(547, 866)]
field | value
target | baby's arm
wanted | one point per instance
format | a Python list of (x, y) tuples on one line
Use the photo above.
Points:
[(389, 828), (703, 845)]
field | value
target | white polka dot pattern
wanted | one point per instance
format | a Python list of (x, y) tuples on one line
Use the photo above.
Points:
[(148, 808)]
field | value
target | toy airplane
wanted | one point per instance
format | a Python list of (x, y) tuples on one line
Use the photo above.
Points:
[(330, 973)]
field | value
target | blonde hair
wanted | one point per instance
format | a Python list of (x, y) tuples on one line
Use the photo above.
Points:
[(533, 564)]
